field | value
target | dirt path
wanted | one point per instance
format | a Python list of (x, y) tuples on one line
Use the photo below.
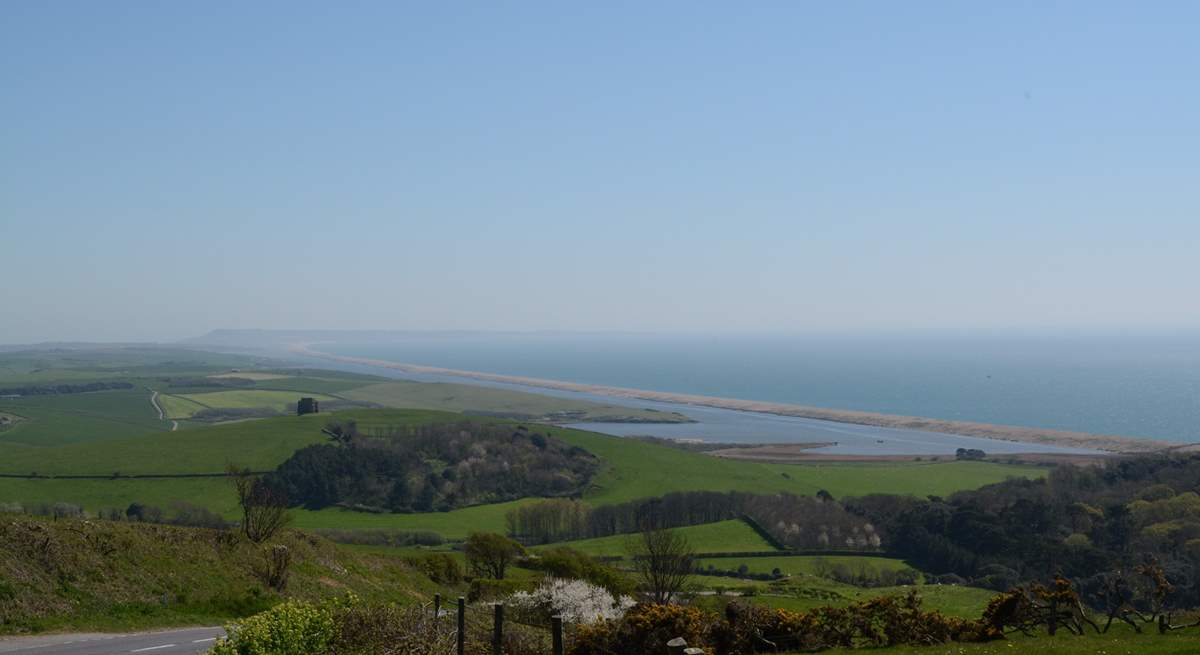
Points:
[(161, 415)]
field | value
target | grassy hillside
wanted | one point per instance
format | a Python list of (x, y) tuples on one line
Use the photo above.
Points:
[(105, 575)]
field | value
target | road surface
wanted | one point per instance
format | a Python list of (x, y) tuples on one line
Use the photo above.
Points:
[(186, 641)]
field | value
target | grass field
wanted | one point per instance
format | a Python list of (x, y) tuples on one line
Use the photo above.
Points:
[(639, 470), (249, 375), (634, 469), (252, 398), (178, 406), (723, 536), (57, 420), (479, 399), (94, 495), (310, 385), (803, 564)]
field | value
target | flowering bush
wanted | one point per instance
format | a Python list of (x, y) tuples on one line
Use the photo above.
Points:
[(577, 601), (290, 628)]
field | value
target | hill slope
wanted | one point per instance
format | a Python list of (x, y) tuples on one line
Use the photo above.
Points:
[(108, 575)]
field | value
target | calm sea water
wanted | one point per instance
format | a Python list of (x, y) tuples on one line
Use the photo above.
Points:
[(1145, 386)]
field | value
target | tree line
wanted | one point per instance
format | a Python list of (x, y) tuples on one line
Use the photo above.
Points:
[(431, 468), (1078, 522), (799, 522), (50, 390)]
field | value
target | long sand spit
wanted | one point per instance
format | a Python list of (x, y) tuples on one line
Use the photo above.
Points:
[(1110, 443)]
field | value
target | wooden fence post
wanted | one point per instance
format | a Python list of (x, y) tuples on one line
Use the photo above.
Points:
[(498, 629), (437, 606), (462, 625), (556, 630)]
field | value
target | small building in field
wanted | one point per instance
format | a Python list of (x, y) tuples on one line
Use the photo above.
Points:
[(308, 406)]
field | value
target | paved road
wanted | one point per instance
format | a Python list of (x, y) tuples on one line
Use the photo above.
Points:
[(187, 641)]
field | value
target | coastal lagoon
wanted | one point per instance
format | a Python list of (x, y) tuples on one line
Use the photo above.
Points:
[(713, 424), (1144, 386)]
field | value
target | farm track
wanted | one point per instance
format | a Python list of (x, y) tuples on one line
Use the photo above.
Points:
[(161, 415)]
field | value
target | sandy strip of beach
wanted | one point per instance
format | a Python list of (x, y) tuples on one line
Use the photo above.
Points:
[(1110, 443)]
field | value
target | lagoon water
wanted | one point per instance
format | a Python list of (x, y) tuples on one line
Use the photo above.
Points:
[(1144, 386)]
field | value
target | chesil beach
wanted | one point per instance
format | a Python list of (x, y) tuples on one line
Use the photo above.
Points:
[(848, 431)]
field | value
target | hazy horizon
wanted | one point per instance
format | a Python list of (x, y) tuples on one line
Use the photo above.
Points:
[(675, 168)]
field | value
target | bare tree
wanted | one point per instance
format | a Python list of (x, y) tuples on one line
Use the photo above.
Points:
[(663, 560), (264, 508)]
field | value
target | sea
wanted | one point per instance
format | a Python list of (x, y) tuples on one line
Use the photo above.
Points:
[(1137, 386)]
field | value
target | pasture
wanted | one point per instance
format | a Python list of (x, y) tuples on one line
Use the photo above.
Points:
[(475, 399), (177, 406), (632, 469), (62, 419), (803, 564), (281, 401), (722, 536)]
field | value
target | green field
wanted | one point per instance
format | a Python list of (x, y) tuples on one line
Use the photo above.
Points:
[(253, 376), (633, 469), (56, 420), (803, 564), (966, 602), (723, 536), (178, 406), (487, 400), (252, 399), (639, 470)]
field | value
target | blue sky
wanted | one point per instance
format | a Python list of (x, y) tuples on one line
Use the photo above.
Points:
[(169, 168)]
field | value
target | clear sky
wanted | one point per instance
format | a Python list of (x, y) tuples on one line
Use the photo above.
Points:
[(171, 167)]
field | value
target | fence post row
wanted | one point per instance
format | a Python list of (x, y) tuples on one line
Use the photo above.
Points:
[(498, 629), (462, 625)]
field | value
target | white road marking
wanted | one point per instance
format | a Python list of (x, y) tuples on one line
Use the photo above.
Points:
[(142, 650), (201, 641)]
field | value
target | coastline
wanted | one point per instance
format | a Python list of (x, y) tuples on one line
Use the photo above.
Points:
[(1010, 433)]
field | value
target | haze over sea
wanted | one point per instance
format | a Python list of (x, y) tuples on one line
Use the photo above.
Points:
[(1142, 386)]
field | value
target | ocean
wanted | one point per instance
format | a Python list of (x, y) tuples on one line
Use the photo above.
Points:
[(1130, 386)]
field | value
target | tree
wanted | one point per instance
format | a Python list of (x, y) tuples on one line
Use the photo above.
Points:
[(489, 554), (663, 561), (264, 506)]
